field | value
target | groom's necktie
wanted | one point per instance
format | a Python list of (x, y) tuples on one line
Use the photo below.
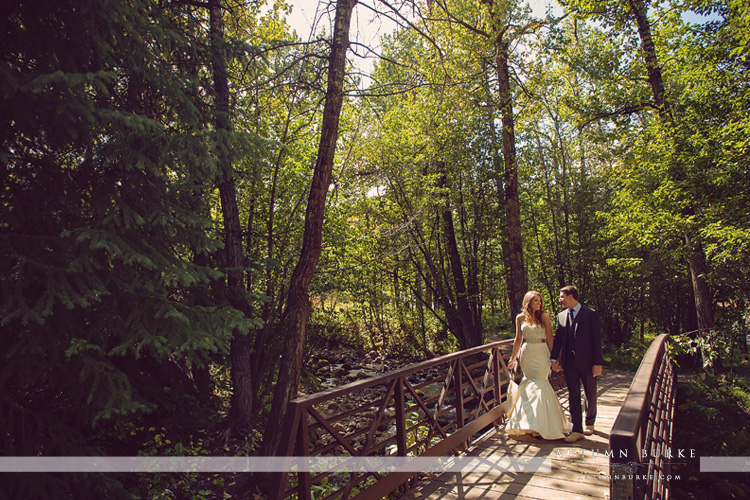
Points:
[(572, 334)]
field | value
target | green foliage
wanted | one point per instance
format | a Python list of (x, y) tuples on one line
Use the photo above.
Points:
[(602, 204), (708, 346), (111, 293), (709, 411), (629, 358), (419, 433), (321, 490), (112, 302), (169, 486)]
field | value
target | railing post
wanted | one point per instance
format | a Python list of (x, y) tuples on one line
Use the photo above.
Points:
[(624, 484), (277, 483), (496, 375), (400, 402), (621, 489), (459, 392), (303, 478)]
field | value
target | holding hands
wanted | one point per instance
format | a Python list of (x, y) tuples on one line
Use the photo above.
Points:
[(596, 371)]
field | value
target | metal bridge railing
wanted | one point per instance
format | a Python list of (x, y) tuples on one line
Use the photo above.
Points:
[(641, 438), (430, 409)]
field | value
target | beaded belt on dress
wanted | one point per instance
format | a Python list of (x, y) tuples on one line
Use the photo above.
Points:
[(535, 341)]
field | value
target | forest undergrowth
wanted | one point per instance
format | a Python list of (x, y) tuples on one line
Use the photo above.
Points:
[(711, 418)]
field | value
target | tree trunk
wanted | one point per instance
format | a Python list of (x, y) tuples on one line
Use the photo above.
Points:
[(261, 359), (241, 409), (497, 162), (435, 278), (438, 288), (638, 8), (517, 274), (701, 292), (559, 262), (567, 182), (471, 334), (297, 313), (697, 257)]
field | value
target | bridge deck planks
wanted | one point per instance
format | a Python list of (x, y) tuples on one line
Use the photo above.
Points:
[(579, 470)]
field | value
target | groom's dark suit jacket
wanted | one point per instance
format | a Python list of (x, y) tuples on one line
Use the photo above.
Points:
[(588, 339)]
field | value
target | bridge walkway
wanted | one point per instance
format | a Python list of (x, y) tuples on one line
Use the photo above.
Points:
[(579, 470)]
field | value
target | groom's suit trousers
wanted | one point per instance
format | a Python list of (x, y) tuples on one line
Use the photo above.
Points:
[(574, 378)]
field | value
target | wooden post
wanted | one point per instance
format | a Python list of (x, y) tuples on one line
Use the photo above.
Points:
[(277, 482), (459, 392), (400, 417), (303, 478), (496, 378)]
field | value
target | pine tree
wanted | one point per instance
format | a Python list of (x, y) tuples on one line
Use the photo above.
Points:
[(107, 156)]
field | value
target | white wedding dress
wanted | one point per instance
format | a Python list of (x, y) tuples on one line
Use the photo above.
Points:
[(534, 407)]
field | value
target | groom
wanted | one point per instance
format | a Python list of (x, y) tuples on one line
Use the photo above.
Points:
[(577, 351)]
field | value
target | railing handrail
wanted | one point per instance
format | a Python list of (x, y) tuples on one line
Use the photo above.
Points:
[(644, 421), (627, 426)]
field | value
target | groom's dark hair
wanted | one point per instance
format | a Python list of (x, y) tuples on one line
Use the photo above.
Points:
[(570, 290)]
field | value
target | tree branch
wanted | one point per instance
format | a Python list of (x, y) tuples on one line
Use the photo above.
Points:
[(623, 111), (406, 21)]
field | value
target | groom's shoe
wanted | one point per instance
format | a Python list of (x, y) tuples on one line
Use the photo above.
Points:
[(573, 437), (589, 430)]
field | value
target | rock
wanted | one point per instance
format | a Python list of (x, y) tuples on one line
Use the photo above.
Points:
[(362, 423), (431, 390), (369, 414), (447, 418)]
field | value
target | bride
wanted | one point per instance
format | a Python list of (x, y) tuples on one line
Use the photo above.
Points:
[(534, 407)]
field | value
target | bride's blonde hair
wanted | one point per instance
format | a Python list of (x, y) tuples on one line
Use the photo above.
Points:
[(532, 318)]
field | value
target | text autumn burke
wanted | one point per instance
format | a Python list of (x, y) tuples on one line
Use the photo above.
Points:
[(668, 453)]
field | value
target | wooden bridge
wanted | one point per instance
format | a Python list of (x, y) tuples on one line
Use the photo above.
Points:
[(455, 406)]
